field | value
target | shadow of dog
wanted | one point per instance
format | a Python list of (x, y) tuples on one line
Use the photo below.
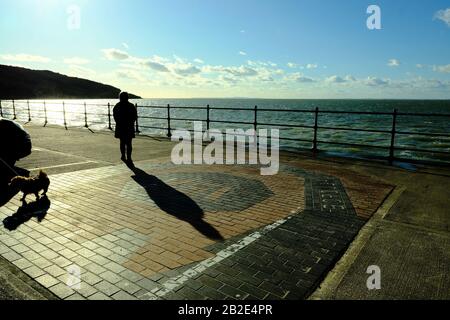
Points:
[(26, 212)]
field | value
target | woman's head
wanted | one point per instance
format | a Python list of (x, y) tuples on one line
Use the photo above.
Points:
[(123, 97)]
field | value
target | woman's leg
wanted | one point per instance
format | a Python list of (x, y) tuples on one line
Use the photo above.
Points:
[(122, 148), (129, 149)]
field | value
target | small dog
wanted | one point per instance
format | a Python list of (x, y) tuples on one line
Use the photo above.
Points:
[(31, 185)]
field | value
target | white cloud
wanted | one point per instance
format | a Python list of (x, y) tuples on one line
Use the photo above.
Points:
[(154, 65), (443, 15), (261, 64), (335, 79), (242, 53), (292, 65), (187, 71), (435, 84), (443, 69), (200, 61), (228, 80), (242, 71), (350, 78), (76, 61), (24, 58), (311, 66), (115, 54), (125, 45), (393, 63), (419, 66), (303, 79), (376, 82)]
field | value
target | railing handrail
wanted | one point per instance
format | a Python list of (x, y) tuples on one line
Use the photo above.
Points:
[(316, 112), (325, 111)]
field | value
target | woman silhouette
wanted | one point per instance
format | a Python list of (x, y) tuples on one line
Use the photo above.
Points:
[(125, 115)]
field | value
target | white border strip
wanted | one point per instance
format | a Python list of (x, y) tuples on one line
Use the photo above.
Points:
[(175, 282)]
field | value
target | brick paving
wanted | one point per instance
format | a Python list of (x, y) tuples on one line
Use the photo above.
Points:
[(187, 232)]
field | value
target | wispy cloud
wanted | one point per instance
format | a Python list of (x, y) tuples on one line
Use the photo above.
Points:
[(115, 54), (79, 71), (443, 15), (311, 66), (261, 63), (376, 82), (187, 71), (24, 58), (242, 53), (200, 61), (125, 45), (130, 74), (154, 65), (241, 71), (76, 61), (335, 79), (393, 63), (442, 69), (303, 79), (292, 65), (350, 78)]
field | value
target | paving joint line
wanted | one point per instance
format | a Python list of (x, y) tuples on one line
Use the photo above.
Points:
[(176, 282)]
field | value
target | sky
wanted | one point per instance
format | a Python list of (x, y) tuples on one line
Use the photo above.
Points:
[(290, 49)]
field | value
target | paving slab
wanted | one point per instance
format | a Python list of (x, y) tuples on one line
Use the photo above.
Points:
[(162, 231)]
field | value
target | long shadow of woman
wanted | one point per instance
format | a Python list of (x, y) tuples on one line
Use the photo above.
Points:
[(175, 203)]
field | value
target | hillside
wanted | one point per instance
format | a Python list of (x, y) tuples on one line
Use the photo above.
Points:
[(20, 83)]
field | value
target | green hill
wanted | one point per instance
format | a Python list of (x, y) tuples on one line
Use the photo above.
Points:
[(20, 83)]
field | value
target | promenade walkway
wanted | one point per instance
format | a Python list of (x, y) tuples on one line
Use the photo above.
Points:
[(162, 231)]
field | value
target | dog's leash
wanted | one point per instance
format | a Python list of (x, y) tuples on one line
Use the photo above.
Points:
[(9, 167)]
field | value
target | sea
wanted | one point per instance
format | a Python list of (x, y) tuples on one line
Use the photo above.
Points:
[(434, 120)]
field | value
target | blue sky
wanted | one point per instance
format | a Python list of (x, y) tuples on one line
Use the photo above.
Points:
[(231, 48)]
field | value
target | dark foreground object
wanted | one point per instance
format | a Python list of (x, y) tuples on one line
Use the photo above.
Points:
[(15, 143)]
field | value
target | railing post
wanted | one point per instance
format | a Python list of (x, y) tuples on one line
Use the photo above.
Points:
[(169, 129), (109, 116), (85, 116), (316, 128), (14, 111), (45, 114), (137, 119), (393, 132), (1, 109), (64, 115), (29, 111), (207, 117), (255, 122)]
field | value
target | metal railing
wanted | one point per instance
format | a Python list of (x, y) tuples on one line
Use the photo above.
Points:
[(316, 127)]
